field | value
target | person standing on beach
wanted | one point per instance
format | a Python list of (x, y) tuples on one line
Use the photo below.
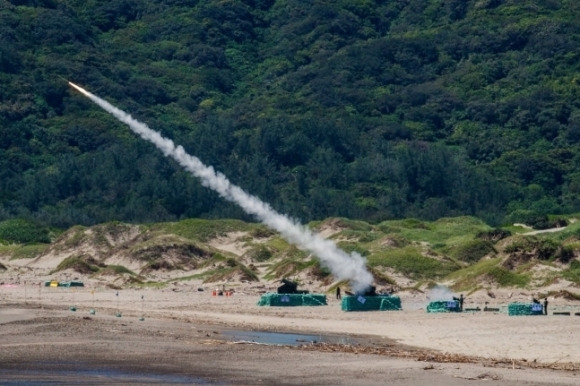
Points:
[(546, 305), (338, 292)]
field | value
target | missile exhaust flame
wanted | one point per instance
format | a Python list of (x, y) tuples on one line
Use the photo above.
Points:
[(343, 266), (80, 89)]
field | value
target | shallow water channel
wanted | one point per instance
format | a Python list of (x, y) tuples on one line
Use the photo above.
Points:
[(285, 339)]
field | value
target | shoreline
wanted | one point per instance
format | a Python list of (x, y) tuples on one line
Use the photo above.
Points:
[(178, 332), (56, 344), (357, 342), (540, 339)]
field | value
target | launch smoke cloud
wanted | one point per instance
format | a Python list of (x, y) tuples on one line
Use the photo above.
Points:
[(343, 266)]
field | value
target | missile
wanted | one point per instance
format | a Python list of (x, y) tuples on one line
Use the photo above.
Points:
[(78, 88)]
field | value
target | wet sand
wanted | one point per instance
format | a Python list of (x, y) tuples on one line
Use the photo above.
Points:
[(182, 338)]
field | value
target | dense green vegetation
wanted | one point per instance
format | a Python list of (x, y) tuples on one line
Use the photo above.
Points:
[(372, 110), (20, 231)]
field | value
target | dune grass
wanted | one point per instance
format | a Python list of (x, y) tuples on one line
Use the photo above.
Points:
[(18, 251), (76, 263), (411, 262), (203, 230)]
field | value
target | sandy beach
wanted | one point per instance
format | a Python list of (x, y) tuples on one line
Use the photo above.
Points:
[(184, 335)]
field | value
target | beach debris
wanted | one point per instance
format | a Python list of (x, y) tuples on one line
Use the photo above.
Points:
[(422, 355)]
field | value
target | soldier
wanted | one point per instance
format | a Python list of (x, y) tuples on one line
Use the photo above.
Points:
[(338, 292)]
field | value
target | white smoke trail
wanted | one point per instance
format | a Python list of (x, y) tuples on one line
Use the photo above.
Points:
[(342, 265)]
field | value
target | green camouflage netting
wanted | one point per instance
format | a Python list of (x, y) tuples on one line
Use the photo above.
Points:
[(444, 306), (292, 300), (517, 309), (371, 303)]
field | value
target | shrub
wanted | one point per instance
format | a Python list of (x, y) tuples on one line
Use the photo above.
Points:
[(505, 278), (546, 249), (22, 231), (530, 218), (565, 253), (352, 247), (573, 272), (319, 271), (260, 253), (473, 251), (262, 232), (493, 235)]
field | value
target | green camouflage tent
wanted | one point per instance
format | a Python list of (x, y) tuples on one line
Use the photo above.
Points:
[(371, 303), (444, 306), (519, 309), (292, 300)]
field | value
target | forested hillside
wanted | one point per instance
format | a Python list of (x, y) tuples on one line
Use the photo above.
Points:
[(370, 110)]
